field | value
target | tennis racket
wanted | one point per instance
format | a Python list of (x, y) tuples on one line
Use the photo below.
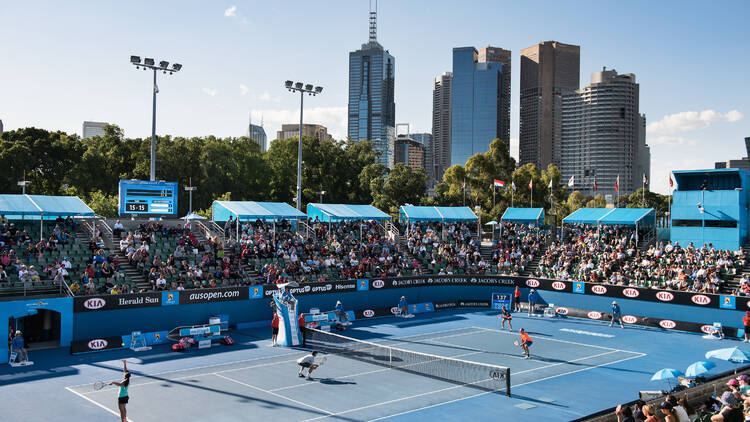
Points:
[(99, 385), (516, 343), (322, 360)]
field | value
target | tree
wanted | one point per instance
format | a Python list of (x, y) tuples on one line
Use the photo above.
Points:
[(598, 202), (652, 200), (401, 186)]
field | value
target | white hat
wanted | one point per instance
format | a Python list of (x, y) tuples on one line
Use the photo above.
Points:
[(614, 302), (338, 302), (18, 332)]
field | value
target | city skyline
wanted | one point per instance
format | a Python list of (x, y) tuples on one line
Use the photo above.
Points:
[(696, 110)]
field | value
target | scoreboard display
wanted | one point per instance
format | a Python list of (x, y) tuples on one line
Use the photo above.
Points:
[(140, 197)]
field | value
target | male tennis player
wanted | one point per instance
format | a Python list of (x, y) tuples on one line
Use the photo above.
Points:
[(122, 396), (526, 342), (507, 317), (616, 314), (307, 361)]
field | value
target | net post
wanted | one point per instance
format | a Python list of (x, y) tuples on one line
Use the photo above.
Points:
[(507, 382)]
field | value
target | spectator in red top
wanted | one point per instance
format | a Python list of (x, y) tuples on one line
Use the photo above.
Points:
[(274, 328), (302, 327), (517, 300), (746, 323)]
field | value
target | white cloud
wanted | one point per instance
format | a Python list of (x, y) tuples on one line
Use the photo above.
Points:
[(231, 12), (243, 89), (266, 96), (334, 118), (659, 181), (691, 120), (671, 141), (210, 91)]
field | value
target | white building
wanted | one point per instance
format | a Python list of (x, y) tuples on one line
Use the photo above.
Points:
[(91, 129)]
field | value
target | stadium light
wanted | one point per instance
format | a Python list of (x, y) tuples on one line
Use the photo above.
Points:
[(310, 90), (23, 184), (190, 189), (148, 63), (321, 193)]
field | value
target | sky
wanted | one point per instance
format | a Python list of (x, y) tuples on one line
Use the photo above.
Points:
[(62, 63)]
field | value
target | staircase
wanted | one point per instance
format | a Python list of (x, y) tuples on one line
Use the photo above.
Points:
[(734, 282), (534, 264), (112, 245)]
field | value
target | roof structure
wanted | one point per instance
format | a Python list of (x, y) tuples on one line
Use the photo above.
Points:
[(341, 212)]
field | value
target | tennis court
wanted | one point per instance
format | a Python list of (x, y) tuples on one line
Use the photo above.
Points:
[(577, 367)]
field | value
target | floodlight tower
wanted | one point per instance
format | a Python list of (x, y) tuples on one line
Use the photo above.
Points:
[(309, 90)]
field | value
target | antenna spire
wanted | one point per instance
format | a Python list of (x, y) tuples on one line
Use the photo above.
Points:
[(373, 21)]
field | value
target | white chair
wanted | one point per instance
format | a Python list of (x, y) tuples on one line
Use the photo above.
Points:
[(715, 331), (549, 311)]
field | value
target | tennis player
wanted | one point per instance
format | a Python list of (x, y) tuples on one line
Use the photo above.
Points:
[(526, 342), (122, 396), (507, 317), (307, 361)]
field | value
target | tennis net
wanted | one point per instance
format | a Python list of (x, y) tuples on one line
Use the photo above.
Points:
[(492, 378)]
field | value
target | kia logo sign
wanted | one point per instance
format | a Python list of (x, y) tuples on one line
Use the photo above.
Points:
[(594, 315), (631, 292), (561, 311), (708, 329), (629, 319), (532, 282), (394, 310), (97, 344), (378, 284), (368, 313), (700, 299), (597, 289), (558, 285), (94, 303), (667, 323), (664, 296)]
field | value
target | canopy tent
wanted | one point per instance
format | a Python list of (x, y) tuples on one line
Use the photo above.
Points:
[(443, 214), (621, 216), (524, 215), (342, 212), (251, 210), (33, 207)]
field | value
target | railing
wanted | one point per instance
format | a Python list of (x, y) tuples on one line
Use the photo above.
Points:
[(106, 229), (302, 226), (210, 229), (391, 231)]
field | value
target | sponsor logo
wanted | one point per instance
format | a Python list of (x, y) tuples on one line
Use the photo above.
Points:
[(629, 319), (561, 311), (394, 310), (700, 299), (94, 303), (345, 286), (665, 296), (667, 323), (631, 292), (599, 289), (378, 284), (97, 344), (368, 313), (558, 285), (708, 329), (594, 315), (324, 288), (532, 282)]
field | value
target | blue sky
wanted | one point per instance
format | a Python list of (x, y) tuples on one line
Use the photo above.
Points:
[(66, 62)]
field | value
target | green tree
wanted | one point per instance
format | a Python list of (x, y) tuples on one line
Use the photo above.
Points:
[(598, 202), (653, 200), (402, 185)]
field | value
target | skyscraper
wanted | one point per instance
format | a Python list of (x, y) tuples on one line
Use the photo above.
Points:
[(479, 107), (372, 109), (548, 71), (439, 157), (258, 134), (604, 135), (91, 129)]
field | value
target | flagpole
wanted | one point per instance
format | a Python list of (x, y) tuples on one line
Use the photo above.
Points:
[(531, 194), (493, 195), (512, 193), (643, 187), (617, 204)]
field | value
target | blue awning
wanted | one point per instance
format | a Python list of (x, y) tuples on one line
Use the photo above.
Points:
[(587, 215), (35, 206), (523, 215), (621, 216), (251, 210), (416, 213), (340, 212)]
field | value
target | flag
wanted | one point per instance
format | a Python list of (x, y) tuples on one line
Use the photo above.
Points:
[(671, 183), (499, 183), (531, 184), (595, 185), (572, 181), (513, 185), (550, 184), (645, 179), (617, 184)]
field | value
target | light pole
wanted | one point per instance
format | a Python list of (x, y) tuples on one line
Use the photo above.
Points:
[(321, 193), (149, 63), (190, 189), (302, 89), (23, 184)]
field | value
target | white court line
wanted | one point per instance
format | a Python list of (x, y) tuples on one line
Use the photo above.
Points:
[(512, 386), (98, 404), (559, 341), (274, 394), (198, 367)]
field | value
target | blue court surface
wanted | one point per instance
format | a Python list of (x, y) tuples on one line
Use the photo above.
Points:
[(577, 367)]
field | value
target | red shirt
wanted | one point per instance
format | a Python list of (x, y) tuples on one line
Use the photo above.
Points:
[(746, 321), (525, 338), (275, 321), (517, 293)]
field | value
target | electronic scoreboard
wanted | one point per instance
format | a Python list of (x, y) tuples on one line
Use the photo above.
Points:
[(140, 197)]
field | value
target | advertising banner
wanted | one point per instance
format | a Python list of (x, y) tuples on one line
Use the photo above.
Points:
[(96, 344), (213, 295), (113, 302)]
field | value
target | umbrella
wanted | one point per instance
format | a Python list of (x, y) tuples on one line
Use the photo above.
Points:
[(730, 354), (491, 223), (666, 374), (699, 368), (193, 216)]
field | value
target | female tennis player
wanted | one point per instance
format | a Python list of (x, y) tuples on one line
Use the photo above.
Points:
[(507, 317), (526, 342), (122, 397)]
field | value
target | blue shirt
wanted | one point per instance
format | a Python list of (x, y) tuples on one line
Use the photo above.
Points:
[(17, 343), (532, 297), (339, 308), (616, 309), (286, 296), (402, 303)]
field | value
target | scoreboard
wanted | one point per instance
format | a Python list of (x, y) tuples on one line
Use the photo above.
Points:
[(139, 197)]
